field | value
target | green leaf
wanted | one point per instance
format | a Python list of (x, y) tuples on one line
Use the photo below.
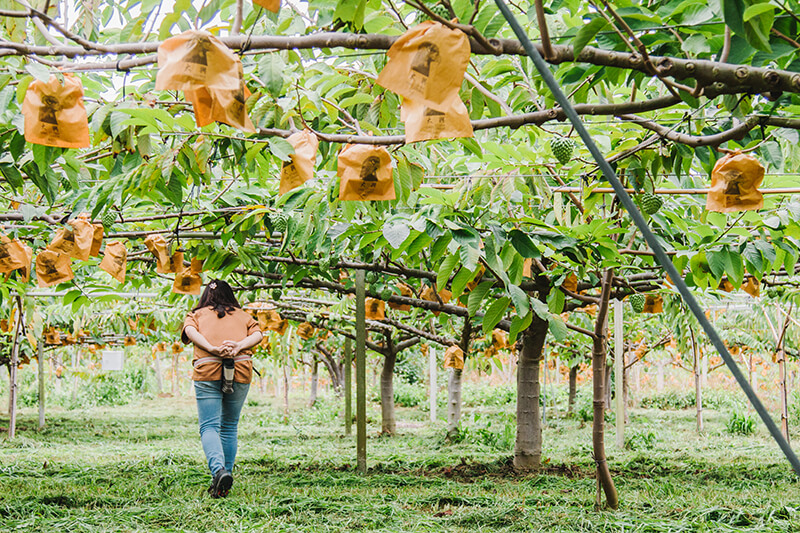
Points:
[(717, 262), (558, 328), (523, 244), (734, 268), (460, 281), (586, 34), (280, 148), (520, 299), (270, 72), (477, 295), (755, 261), (555, 301), (445, 270), (469, 257), (495, 313), (519, 323), (733, 13), (396, 234), (756, 10), (38, 71)]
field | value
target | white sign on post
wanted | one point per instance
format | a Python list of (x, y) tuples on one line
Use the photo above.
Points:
[(113, 359)]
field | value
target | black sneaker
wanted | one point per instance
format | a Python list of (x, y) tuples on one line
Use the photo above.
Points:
[(221, 484)]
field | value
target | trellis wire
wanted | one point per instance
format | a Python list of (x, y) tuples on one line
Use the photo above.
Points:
[(651, 239)]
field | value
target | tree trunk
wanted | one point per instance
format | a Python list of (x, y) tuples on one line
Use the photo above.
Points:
[(335, 369), (388, 422), (599, 381), (453, 402), (312, 397), (528, 446), (454, 384), (607, 386), (573, 389), (175, 360), (157, 370), (75, 362)]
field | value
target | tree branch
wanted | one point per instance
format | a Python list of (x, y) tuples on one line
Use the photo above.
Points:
[(735, 133), (716, 78)]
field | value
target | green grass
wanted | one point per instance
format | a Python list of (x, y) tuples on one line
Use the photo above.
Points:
[(140, 468)]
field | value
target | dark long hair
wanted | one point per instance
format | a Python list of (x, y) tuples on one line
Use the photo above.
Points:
[(218, 295)]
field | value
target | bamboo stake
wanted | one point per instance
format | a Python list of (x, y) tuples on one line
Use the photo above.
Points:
[(40, 361), (14, 367), (348, 387), (619, 369), (361, 374)]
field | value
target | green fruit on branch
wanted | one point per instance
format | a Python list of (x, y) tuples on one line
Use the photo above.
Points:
[(276, 294), (386, 294), (438, 9), (651, 203), (278, 221), (637, 302), (108, 218), (562, 149)]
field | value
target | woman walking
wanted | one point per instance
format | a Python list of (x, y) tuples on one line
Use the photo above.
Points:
[(222, 334)]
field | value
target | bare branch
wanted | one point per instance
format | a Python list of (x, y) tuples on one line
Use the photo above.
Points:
[(734, 133), (237, 19)]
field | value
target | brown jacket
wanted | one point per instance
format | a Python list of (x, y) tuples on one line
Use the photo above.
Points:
[(234, 326)]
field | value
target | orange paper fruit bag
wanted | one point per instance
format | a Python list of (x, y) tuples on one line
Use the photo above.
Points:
[(424, 123), (427, 65), (75, 242), (196, 59), (52, 268), (115, 260), (300, 168), (158, 247), (221, 105), (734, 184), (375, 309), (366, 173), (54, 113), (454, 358), (97, 239), (187, 282), (12, 255)]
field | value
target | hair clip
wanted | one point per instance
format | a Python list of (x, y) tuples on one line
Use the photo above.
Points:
[(212, 285)]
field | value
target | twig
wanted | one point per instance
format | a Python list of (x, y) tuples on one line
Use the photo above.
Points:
[(237, 19), (488, 94), (726, 47), (543, 32)]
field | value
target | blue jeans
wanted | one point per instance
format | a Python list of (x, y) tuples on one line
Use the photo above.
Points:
[(218, 415)]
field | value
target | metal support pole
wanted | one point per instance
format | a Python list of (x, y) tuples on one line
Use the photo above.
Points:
[(348, 387), (619, 369), (433, 366), (361, 374), (40, 360)]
